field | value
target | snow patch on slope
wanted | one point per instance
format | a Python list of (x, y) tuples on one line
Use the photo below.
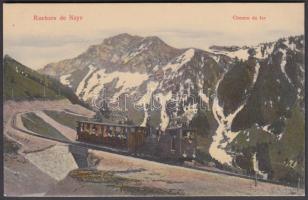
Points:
[(223, 135), (124, 82), (143, 47), (255, 76), (64, 79), (241, 54), (190, 111), (203, 96), (267, 129), (216, 58), (180, 60), (127, 81), (291, 163), (283, 64), (164, 118), (146, 99), (81, 85)]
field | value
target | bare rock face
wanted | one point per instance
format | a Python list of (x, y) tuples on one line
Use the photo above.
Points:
[(122, 52)]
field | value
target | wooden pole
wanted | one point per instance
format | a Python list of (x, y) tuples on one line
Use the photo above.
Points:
[(256, 183), (12, 93)]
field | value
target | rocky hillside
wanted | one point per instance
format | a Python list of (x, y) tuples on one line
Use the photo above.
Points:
[(136, 65), (243, 101), (259, 106)]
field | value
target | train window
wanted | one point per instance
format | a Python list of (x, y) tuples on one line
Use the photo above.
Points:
[(112, 131), (109, 132), (93, 130), (191, 135), (186, 134)]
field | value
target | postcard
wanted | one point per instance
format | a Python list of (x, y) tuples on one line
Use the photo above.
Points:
[(154, 99)]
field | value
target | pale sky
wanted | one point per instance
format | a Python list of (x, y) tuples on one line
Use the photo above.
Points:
[(181, 25)]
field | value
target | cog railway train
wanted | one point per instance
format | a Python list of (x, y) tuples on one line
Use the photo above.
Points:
[(176, 143)]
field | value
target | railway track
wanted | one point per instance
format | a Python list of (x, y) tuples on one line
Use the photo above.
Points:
[(75, 143), (84, 146)]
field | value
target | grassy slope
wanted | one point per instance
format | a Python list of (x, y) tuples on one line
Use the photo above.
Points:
[(34, 123), (65, 118), (279, 152), (9, 146), (204, 123), (23, 83)]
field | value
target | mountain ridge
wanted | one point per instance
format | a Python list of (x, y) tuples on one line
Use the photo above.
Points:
[(235, 91)]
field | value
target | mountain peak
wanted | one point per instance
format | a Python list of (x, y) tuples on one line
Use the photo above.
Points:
[(155, 39), (125, 35), (120, 38)]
